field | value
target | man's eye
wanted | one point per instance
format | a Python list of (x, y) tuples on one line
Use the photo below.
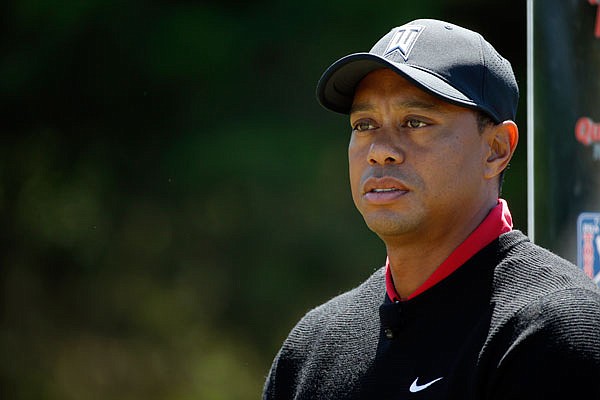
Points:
[(415, 123), (363, 126)]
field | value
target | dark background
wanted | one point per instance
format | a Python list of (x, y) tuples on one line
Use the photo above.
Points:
[(172, 196), (565, 86)]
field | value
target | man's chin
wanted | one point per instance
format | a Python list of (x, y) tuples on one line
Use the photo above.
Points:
[(389, 225)]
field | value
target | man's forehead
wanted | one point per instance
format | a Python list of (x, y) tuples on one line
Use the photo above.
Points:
[(413, 104), (401, 92), (386, 80)]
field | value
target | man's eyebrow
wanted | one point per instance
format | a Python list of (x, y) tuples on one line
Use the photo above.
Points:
[(357, 107), (406, 104), (418, 104)]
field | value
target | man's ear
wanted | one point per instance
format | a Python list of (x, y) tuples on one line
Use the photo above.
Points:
[(502, 141)]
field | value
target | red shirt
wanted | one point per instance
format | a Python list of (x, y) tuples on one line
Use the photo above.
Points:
[(497, 222)]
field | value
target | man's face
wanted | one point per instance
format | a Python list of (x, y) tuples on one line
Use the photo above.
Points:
[(416, 162)]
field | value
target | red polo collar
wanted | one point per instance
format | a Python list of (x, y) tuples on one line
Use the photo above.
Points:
[(497, 222)]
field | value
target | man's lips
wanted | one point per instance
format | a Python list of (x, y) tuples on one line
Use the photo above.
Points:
[(384, 184), (383, 190)]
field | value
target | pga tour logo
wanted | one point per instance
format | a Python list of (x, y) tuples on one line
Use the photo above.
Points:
[(403, 40), (588, 244)]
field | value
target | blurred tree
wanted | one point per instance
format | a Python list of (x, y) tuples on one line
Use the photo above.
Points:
[(172, 196)]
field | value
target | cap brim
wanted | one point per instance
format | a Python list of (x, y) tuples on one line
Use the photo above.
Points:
[(335, 89)]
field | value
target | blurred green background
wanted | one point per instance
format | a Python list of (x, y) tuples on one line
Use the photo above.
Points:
[(172, 196)]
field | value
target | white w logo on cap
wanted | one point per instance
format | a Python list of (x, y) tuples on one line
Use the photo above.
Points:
[(403, 40)]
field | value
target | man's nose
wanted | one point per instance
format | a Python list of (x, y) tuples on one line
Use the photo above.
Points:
[(384, 151)]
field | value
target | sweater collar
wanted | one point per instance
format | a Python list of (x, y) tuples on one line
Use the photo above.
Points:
[(497, 222)]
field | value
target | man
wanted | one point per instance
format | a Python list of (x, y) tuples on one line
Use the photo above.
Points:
[(466, 307)]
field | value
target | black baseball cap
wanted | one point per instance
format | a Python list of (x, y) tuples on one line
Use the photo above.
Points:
[(446, 60)]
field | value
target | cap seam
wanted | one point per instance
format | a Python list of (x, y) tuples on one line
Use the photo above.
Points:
[(434, 73), (485, 70)]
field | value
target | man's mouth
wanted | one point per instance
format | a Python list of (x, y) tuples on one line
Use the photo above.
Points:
[(377, 190), (384, 191), (383, 185)]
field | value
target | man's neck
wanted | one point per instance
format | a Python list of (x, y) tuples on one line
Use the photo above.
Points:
[(413, 259), (412, 265)]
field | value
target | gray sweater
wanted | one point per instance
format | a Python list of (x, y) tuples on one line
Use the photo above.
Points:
[(514, 322)]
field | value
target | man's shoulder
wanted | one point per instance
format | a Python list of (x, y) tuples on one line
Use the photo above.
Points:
[(346, 308), (529, 268), (369, 291), (534, 286), (544, 327), (327, 337)]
